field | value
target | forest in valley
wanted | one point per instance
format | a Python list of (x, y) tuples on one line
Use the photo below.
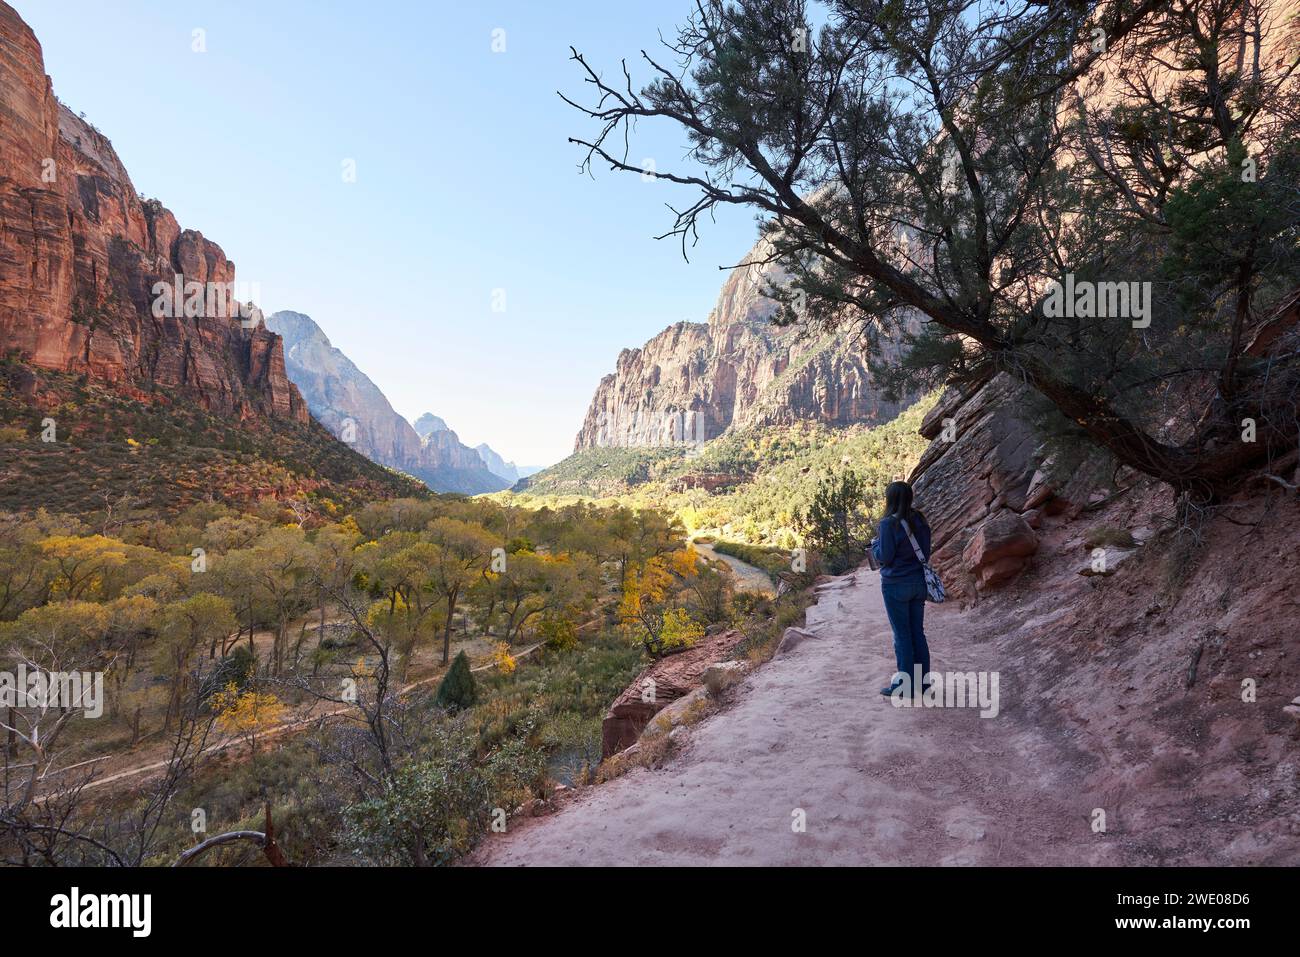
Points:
[(377, 686)]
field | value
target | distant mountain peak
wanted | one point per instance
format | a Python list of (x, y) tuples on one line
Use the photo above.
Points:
[(496, 464), (428, 424)]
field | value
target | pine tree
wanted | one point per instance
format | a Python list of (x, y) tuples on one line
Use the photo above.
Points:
[(457, 688)]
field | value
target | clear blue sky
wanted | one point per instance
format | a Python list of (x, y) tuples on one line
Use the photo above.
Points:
[(465, 184)]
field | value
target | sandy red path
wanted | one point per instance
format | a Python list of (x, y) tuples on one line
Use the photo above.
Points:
[(878, 784)]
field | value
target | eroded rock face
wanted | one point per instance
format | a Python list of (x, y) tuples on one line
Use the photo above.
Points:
[(660, 684), (985, 483), (80, 253), (694, 380)]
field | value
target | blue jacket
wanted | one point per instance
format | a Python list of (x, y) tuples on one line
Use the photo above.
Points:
[(898, 561)]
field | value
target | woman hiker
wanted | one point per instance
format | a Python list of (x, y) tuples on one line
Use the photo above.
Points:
[(902, 582)]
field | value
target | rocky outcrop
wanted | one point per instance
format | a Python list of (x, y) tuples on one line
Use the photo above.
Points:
[(693, 381), (87, 266), (658, 686), (999, 549), (349, 404), (985, 484), (989, 485)]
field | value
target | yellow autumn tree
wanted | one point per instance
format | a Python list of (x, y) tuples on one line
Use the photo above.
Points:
[(648, 612), (678, 630), (247, 714), (84, 565), (503, 659)]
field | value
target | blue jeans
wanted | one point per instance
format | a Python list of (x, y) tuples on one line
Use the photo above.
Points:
[(905, 606)]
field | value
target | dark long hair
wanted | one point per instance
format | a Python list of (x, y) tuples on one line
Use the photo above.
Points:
[(898, 501)]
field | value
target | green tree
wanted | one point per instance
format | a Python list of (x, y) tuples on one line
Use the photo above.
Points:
[(439, 807), (280, 566), (456, 689), (461, 553), (835, 524)]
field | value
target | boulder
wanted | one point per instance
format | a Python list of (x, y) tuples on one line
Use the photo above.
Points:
[(676, 714), (1000, 548), (792, 639)]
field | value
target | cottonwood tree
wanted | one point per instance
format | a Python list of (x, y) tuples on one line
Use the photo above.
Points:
[(235, 574), (651, 612), (932, 160), (372, 731), (185, 627), (634, 536), (333, 564), (281, 563), (132, 626), (407, 611), (535, 586), (460, 553), (24, 572)]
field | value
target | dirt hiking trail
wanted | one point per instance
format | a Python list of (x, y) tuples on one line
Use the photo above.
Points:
[(878, 784)]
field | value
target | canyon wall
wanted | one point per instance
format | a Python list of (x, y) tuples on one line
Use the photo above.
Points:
[(81, 251), (693, 381)]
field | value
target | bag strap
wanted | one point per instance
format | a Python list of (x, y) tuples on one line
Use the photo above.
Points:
[(920, 556)]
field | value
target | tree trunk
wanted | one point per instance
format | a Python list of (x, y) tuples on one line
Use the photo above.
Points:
[(1206, 470), (446, 628)]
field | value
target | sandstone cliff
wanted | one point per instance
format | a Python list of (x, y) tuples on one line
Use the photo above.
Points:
[(349, 404), (80, 253), (695, 380), (450, 463)]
